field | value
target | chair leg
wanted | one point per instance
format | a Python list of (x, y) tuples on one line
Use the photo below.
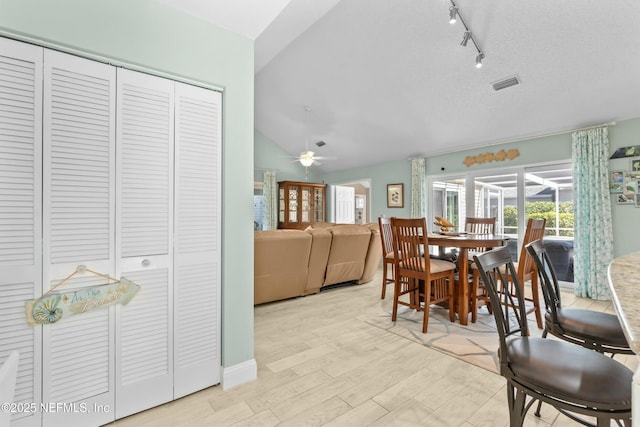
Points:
[(452, 298), (384, 278), (537, 413), (517, 409), (474, 296), (604, 422), (396, 291), (536, 300), (427, 304)]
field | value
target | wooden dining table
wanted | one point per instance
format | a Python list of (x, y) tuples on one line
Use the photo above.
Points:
[(464, 242)]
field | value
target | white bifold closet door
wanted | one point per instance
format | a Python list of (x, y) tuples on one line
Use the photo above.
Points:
[(144, 243), (118, 172), (79, 229), (21, 216), (197, 239)]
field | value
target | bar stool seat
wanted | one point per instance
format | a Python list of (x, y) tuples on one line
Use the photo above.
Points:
[(566, 372), (602, 327)]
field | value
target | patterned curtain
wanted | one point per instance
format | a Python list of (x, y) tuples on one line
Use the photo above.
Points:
[(593, 241), (418, 188), (270, 190)]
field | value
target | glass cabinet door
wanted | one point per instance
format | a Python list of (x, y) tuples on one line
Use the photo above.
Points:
[(305, 212), (318, 203), (281, 204), (293, 204)]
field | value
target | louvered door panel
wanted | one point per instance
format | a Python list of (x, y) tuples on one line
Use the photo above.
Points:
[(80, 165), (144, 331), (20, 214), (145, 129), (79, 365), (79, 229), (197, 239), (145, 322)]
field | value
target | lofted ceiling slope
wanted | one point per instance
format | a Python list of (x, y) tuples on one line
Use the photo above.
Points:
[(388, 80)]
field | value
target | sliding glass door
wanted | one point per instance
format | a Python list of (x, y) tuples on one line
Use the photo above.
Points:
[(449, 199), (512, 196)]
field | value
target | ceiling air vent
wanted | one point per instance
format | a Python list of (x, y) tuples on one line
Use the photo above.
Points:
[(321, 143), (505, 83)]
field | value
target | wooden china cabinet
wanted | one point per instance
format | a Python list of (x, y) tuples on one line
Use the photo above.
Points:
[(300, 204)]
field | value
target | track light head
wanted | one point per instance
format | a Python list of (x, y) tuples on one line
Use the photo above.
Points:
[(479, 59), (465, 38), (453, 11)]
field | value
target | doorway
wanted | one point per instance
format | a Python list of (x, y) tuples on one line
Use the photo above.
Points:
[(359, 203)]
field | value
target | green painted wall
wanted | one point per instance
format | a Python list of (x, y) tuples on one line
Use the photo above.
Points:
[(535, 150), (146, 34), (625, 217), (398, 172), (267, 155)]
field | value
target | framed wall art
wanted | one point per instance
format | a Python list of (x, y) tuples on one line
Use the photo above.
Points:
[(395, 195), (616, 183)]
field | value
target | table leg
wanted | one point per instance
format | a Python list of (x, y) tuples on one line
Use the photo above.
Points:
[(462, 296)]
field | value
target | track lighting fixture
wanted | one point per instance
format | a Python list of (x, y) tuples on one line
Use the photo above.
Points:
[(454, 13), (465, 38)]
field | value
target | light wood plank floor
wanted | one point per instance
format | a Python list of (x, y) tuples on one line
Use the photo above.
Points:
[(320, 364)]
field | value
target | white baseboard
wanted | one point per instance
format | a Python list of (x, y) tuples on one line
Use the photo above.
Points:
[(241, 373)]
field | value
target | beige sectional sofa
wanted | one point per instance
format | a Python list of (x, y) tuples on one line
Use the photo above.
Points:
[(293, 263)]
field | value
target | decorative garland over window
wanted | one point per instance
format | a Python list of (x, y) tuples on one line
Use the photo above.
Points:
[(491, 157)]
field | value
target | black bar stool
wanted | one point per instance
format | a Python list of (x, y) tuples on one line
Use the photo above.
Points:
[(576, 381)]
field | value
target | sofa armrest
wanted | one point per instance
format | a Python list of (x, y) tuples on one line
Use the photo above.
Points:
[(280, 269), (374, 255)]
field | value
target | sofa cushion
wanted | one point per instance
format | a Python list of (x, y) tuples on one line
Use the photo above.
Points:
[(349, 246), (281, 259)]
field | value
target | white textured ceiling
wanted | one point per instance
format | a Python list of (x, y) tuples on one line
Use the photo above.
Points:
[(387, 80)]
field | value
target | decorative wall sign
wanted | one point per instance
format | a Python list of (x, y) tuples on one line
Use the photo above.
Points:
[(500, 156), (631, 151), (53, 306)]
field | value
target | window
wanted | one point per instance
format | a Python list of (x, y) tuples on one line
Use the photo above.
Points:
[(512, 196), (258, 205), (449, 199)]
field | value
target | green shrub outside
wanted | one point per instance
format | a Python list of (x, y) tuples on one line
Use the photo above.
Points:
[(545, 210)]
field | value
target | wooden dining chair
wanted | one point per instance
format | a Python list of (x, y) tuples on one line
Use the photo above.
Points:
[(526, 270), (386, 238), (477, 225), (427, 281), (574, 380)]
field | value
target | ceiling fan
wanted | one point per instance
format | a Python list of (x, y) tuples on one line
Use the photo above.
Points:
[(308, 158)]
